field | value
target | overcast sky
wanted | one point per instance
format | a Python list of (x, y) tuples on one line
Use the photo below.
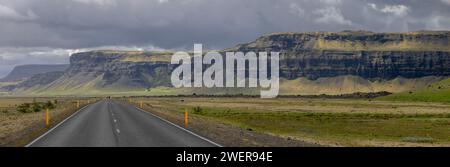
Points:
[(48, 31)]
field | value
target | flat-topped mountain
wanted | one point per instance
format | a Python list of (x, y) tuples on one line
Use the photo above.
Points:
[(351, 41), (311, 63), (364, 54)]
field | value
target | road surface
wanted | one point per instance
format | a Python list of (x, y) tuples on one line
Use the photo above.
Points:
[(108, 123)]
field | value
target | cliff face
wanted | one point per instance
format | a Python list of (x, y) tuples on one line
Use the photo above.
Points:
[(366, 64), (365, 54), (112, 71)]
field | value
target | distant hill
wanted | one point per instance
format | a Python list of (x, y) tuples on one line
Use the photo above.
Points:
[(23, 72)]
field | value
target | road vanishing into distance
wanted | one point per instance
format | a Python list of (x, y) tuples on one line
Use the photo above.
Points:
[(108, 123)]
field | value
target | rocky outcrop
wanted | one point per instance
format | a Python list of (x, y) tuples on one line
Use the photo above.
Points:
[(114, 72)]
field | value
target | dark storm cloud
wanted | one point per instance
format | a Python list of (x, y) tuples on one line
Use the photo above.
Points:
[(169, 24), (218, 23)]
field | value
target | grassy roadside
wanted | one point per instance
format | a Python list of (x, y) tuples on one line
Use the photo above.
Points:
[(18, 129), (323, 121)]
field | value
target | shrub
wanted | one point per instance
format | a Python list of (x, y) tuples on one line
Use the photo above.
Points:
[(198, 110), (49, 105), (36, 107), (24, 108)]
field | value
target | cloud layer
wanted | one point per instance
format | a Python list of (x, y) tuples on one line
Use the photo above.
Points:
[(73, 24)]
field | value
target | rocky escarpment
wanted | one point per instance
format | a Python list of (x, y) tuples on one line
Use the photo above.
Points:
[(364, 54), (366, 64), (110, 70)]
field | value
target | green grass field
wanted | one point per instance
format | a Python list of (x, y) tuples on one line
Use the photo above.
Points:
[(342, 128), (325, 121)]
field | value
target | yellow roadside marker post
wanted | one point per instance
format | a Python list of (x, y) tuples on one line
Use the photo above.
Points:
[(78, 103), (47, 118), (140, 104), (186, 120)]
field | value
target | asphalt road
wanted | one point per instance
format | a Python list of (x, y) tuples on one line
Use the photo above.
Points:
[(108, 123)]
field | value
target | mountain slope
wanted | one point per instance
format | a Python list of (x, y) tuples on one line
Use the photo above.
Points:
[(26, 71), (436, 92)]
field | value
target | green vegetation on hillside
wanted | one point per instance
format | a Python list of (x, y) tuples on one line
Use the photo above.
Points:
[(154, 56), (437, 92), (301, 86)]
